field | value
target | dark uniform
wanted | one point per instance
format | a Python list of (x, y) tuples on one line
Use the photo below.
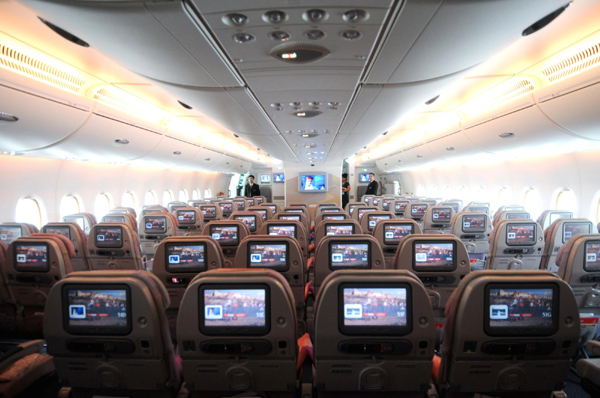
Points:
[(251, 190)]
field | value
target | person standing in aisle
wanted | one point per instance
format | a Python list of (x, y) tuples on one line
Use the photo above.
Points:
[(251, 189), (373, 186), (345, 190)]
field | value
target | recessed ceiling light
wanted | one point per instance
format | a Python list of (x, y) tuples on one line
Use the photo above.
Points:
[(506, 135), (7, 117), (333, 103), (279, 35), (243, 38), (121, 141), (275, 105), (351, 35), (275, 16), (311, 113), (450, 148), (305, 135), (315, 15), (177, 153), (315, 34), (289, 131), (295, 103), (314, 103)]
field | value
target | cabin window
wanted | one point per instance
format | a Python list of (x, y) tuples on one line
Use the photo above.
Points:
[(150, 198), (463, 194), (196, 194), (598, 213), (433, 191), (504, 198), (103, 205), (183, 195), (128, 200), (167, 198), (532, 202), (207, 193), (566, 201), (480, 195), (69, 205), (29, 211), (421, 191)]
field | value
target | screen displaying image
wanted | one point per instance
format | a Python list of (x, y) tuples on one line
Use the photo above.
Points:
[(259, 200), (520, 234), (312, 182), (557, 215), (343, 229), (113, 218), (109, 236), (362, 211), (434, 256), (234, 308), (225, 234), (76, 219), (155, 224), (208, 211), (474, 223), (265, 178), (289, 217), (592, 256), (386, 203), (351, 208), (226, 207), (250, 201), (374, 306), (480, 209), (263, 213), (8, 234), (294, 211), (185, 257), (376, 200), (273, 208), (393, 233), (31, 257), (334, 217), (330, 210), (268, 255), (349, 255), (283, 230), (518, 216), (570, 229), (441, 214), (364, 177), (241, 205), (97, 308), (375, 218), (520, 309), (418, 210), (278, 177), (401, 206), (62, 230), (186, 217), (368, 200), (249, 221)]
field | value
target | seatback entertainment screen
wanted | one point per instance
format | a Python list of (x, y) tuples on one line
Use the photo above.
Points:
[(349, 255), (225, 234), (97, 310), (283, 230), (520, 234), (185, 257), (31, 257), (393, 233), (155, 224), (434, 256), (268, 255)]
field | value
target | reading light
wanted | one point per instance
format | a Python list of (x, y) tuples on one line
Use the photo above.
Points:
[(351, 15), (292, 55), (237, 19), (315, 34), (243, 38), (177, 153), (274, 16), (280, 35), (315, 15), (351, 35), (298, 52)]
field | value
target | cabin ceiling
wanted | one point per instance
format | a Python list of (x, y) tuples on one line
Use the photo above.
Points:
[(382, 63)]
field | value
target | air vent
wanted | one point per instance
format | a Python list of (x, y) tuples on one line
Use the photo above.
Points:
[(16, 61), (577, 63)]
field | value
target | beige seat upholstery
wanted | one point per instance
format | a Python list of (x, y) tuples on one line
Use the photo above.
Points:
[(389, 234), (370, 219), (515, 245), (252, 220), (72, 231), (416, 211), (474, 230), (510, 215), (549, 216), (85, 220), (559, 233), (438, 219), (114, 246), (153, 228), (229, 234), (210, 212), (227, 207), (189, 221)]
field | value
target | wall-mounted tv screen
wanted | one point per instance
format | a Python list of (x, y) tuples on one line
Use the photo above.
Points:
[(240, 310), (278, 177), (97, 309), (363, 178), (312, 182), (375, 309), (31, 257), (185, 257), (521, 309), (520, 234), (265, 178)]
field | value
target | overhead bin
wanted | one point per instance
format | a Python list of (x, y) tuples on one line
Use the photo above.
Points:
[(172, 152), (158, 40), (455, 35), (42, 122)]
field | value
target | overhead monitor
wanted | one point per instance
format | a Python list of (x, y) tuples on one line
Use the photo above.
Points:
[(312, 182), (278, 177), (364, 178)]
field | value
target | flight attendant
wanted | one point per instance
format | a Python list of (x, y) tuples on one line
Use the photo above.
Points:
[(251, 189), (345, 190), (373, 186)]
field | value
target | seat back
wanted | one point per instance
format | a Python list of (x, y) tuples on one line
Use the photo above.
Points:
[(438, 219), (389, 234), (510, 215), (273, 206), (180, 258), (367, 199), (439, 261), (376, 200), (336, 227), (509, 333), (335, 216), (229, 234), (510, 207), (297, 209), (239, 205), (368, 325), (123, 210), (172, 206), (85, 221), (291, 228), (331, 209), (153, 229), (549, 216), (126, 218), (361, 211), (416, 211), (371, 218), (579, 265), (346, 252), (515, 245), (474, 230), (559, 233), (189, 220), (196, 203), (279, 253), (227, 207), (114, 246), (398, 207), (351, 206), (10, 231), (301, 217), (259, 200), (477, 208), (149, 209), (386, 203), (454, 203), (113, 326), (264, 212), (245, 313), (73, 232), (211, 212), (252, 220)]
